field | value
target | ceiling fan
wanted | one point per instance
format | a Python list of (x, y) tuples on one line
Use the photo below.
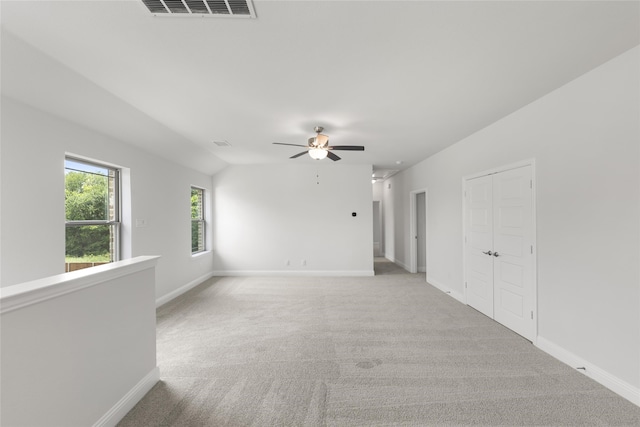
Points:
[(319, 148)]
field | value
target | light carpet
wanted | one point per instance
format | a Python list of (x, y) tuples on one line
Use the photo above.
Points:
[(364, 351)]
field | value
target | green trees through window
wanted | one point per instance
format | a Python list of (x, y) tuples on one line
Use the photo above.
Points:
[(197, 220), (91, 212)]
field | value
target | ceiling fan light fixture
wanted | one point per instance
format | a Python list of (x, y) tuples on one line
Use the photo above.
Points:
[(318, 153)]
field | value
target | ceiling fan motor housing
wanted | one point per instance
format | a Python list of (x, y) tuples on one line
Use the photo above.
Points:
[(320, 141)]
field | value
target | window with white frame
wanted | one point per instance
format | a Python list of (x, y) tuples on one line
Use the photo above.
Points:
[(197, 220), (92, 213)]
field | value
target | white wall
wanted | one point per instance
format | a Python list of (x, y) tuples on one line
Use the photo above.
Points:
[(377, 189), (268, 214), (33, 145), (584, 138), (78, 348)]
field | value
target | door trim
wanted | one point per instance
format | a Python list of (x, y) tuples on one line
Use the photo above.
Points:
[(413, 246), (503, 168), (516, 165)]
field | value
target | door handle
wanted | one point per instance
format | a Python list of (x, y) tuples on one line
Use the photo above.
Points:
[(495, 254), (488, 253)]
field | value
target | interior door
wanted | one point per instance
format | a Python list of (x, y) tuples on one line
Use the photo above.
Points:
[(479, 235), (513, 250)]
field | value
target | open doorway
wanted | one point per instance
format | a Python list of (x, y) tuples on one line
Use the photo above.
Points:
[(418, 211), (377, 229)]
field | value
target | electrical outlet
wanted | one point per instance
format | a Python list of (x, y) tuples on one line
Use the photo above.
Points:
[(288, 263), (304, 262)]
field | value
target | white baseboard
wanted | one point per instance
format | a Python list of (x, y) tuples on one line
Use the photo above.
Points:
[(403, 265), (129, 400), (294, 273), (181, 290), (399, 263), (599, 375), (455, 294)]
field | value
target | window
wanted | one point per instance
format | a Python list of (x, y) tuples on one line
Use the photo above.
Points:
[(92, 214), (197, 220)]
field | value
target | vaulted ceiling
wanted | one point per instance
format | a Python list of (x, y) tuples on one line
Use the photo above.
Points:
[(405, 79)]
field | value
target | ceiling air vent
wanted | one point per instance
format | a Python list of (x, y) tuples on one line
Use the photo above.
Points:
[(218, 8)]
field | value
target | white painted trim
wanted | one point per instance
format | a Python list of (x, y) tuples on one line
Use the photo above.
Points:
[(182, 289), (295, 273), (113, 416), (413, 245), (202, 253), (503, 168), (594, 372), (534, 242), (36, 291), (398, 263), (447, 290)]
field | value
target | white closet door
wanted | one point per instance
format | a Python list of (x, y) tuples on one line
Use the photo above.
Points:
[(513, 250), (479, 227)]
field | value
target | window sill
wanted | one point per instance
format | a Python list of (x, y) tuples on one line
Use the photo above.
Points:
[(199, 254)]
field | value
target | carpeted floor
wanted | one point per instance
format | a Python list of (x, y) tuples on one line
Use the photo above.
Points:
[(370, 351)]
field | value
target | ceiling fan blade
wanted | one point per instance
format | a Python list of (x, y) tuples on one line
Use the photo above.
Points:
[(332, 156), (295, 145), (347, 147), (298, 155)]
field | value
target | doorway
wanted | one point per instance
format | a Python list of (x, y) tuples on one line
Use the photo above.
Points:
[(418, 225), (499, 256), (377, 229)]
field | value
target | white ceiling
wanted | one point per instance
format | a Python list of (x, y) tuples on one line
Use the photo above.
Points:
[(404, 79)]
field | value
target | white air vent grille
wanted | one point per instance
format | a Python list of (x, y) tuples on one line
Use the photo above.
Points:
[(220, 8)]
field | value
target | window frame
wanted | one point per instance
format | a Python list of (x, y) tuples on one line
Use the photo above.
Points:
[(115, 224), (201, 221)]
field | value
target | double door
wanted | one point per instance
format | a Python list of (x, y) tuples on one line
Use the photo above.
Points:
[(499, 260)]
